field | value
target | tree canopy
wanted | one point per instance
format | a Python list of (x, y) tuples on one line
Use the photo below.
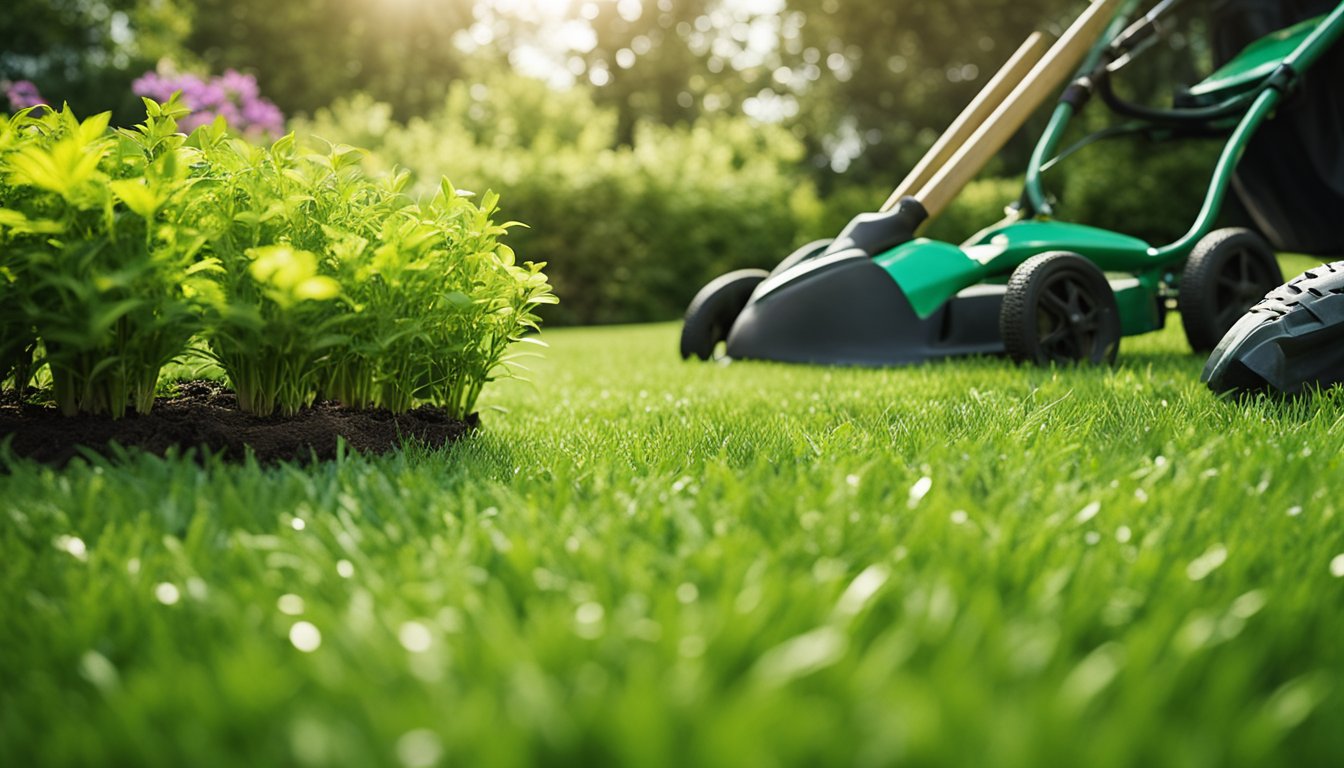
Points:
[(866, 86)]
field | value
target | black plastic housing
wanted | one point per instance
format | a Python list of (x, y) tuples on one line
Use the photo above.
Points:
[(1291, 341), (876, 232), (844, 309)]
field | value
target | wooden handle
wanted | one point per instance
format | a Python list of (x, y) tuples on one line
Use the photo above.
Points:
[(1048, 74), (985, 102)]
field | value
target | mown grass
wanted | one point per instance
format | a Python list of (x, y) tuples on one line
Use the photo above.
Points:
[(645, 562)]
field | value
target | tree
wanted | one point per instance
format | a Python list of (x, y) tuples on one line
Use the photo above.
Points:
[(308, 53), (877, 82), (86, 52)]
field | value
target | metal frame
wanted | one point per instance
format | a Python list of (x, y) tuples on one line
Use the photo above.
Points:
[(879, 295), (1267, 95), (931, 273)]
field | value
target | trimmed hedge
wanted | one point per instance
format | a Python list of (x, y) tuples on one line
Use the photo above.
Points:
[(628, 232)]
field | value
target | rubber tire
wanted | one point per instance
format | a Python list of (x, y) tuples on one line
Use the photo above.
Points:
[(802, 254), (714, 309), (1097, 339), (1209, 304)]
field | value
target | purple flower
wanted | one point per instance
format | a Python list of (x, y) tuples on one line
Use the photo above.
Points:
[(233, 96), (22, 94), (243, 87)]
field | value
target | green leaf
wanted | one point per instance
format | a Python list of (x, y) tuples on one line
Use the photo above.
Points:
[(93, 128), (283, 146), (20, 224), (34, 166), (137, 196), (106, 317), (317, 289), (209, 264)]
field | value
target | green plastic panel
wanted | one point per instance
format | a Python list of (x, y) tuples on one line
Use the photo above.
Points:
[(1256, 62), (1137, 299), (930, 272), (1001, 249)]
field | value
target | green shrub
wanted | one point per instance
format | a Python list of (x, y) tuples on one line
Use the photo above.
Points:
[(629, 232), (306, 276), (335, 284), (100, 260), (1152, 190)]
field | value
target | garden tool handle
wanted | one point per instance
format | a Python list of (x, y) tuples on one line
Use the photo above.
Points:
[(1045, 78), (990, 97)]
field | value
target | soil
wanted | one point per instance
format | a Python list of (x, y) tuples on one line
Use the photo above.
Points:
[(204, 415)]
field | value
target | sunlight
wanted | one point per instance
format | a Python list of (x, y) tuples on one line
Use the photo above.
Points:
[(562, 28), (563, 33)]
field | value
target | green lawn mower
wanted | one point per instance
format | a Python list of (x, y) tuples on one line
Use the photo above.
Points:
[(1035, 288)]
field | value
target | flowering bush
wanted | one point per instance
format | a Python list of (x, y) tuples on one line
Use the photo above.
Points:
[(233, 96), (22, 94)]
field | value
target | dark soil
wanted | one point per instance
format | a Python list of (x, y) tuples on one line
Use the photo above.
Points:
[(205, 416)]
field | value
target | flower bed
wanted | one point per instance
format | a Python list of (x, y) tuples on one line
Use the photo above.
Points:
[(305, 279)]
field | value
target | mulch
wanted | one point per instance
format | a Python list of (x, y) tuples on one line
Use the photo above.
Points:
[(204, 415)]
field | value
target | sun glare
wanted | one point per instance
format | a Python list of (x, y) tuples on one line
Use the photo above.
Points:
[(563, 33)]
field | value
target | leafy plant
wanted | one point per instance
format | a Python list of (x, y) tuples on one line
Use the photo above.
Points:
[(102, 259), (336, 284), (445, 258), (18, 339), (305, 276), (270, 315)]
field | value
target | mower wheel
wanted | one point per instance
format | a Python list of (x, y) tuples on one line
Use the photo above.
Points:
[(712, 312), (1059, 308), (802, 254), (1227, 273)]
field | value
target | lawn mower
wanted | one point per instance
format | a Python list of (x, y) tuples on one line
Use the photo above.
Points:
[(1038, 289)]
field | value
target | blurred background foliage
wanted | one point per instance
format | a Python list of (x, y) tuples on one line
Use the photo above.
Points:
[(648, 144)]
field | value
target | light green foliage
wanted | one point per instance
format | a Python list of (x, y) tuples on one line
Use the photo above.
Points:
[(629, 232), (651, 563), (335, 284), (446, 256), (306, 276), (274, 318), (98, 253), (18, 340)]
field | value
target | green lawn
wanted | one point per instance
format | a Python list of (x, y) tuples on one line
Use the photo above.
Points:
[(644, 562)]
